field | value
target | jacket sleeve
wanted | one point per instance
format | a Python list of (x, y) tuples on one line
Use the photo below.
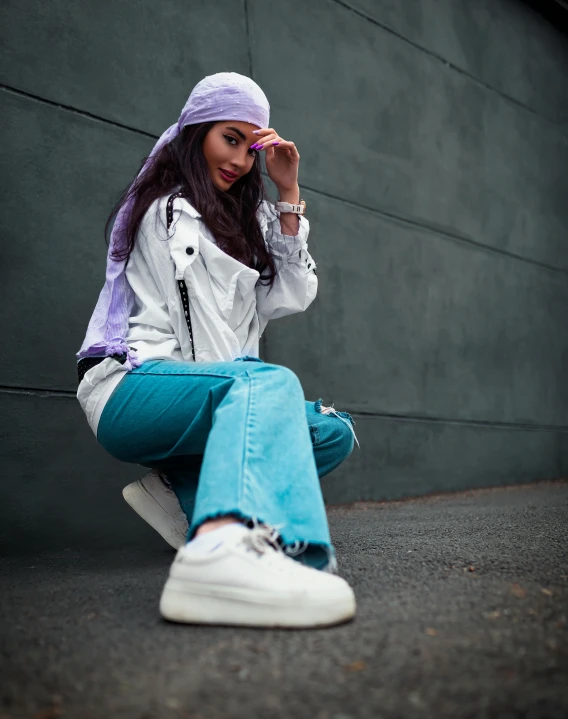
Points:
[(296, 283)]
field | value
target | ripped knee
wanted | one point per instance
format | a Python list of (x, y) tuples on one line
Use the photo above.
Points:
[(344, 417)]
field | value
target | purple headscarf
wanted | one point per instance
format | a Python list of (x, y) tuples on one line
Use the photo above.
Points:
[(223, 96)]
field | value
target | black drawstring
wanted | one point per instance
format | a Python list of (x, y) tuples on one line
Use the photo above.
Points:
[(181, 283)]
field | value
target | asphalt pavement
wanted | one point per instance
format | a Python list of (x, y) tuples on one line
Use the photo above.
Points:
[(462, 612)]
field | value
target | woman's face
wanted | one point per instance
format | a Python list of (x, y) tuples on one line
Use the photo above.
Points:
[(227, 151)]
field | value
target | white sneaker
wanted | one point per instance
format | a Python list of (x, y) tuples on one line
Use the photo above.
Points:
[(246, 579), (154, 500)]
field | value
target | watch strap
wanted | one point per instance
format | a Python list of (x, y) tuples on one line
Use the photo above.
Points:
[(298, 209)]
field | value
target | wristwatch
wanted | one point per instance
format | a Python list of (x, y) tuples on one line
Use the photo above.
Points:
[(299, 209)]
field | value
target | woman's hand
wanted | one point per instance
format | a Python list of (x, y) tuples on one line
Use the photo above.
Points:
[(282, 159)]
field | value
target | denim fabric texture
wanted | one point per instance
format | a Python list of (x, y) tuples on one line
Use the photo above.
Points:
[(234, 438)]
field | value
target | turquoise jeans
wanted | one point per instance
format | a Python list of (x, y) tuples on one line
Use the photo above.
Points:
[(234, 438)]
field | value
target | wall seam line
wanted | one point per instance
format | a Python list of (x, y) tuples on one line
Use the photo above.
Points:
[(32, 391), (441, 232), (75, 111), (249, 48), (37, 391), (558, 124), (382, 213), (487, 424)]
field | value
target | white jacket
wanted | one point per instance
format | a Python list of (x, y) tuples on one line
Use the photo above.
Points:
[(228, 310)]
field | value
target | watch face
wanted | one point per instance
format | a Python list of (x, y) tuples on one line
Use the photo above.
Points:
[(303, 203)]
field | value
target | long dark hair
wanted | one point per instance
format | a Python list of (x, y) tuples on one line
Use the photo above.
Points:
[(230, 216)]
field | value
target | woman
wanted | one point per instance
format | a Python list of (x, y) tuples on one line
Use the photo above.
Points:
[(170, 379)]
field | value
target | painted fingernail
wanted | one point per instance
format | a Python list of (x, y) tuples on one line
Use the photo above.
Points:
[(275, 143), (255, 132), (254, 146)]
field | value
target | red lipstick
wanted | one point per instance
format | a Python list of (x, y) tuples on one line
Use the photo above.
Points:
[(229, 176)]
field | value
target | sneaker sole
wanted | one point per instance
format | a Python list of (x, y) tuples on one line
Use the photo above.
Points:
[(145, 504), (193, 603)]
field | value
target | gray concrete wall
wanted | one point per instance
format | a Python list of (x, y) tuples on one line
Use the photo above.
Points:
[(434, 154)]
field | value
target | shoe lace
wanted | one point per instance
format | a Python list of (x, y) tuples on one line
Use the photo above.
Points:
[(297, 548), (263, 538)]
